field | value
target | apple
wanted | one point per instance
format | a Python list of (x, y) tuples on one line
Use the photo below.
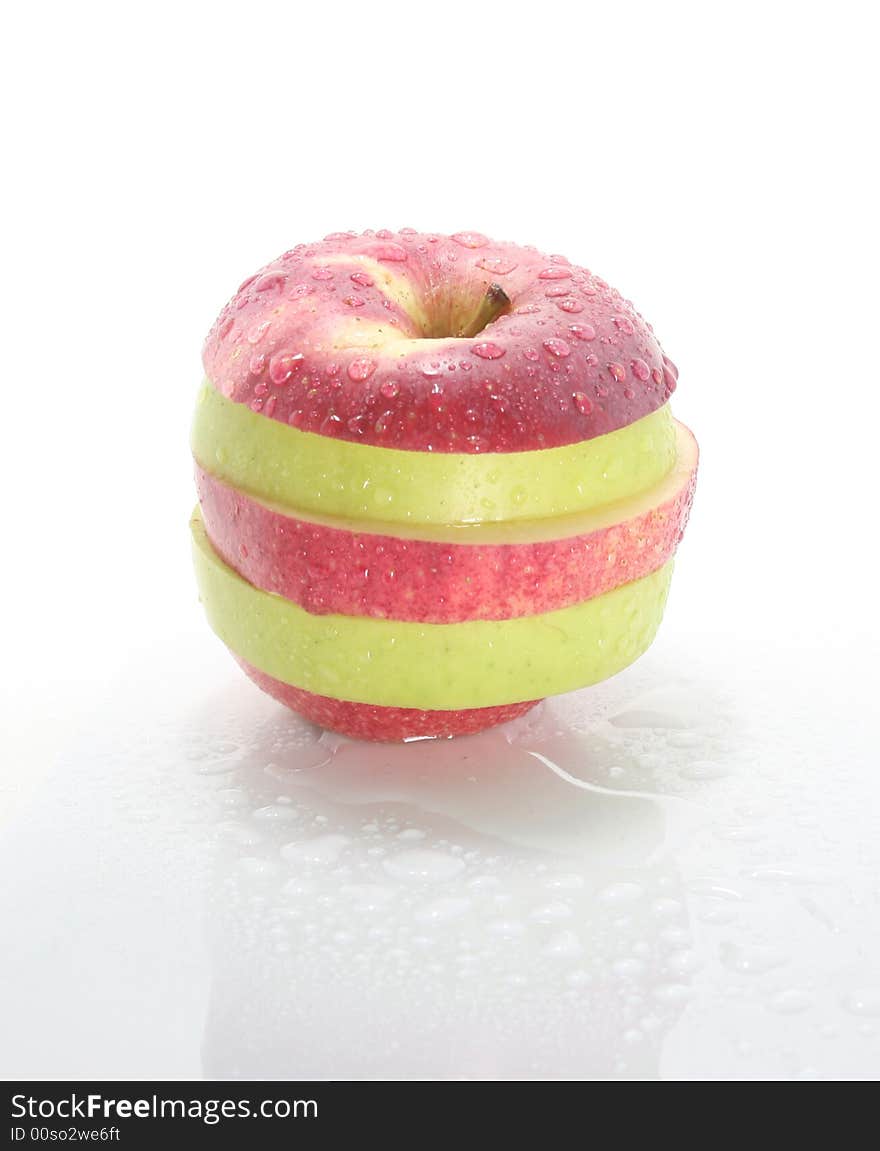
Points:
[(438, 480)]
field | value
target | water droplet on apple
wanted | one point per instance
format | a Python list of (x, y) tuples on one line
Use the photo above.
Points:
[(570, 305), (583, 403), (225, 328), (395, 253), (257, 364), (390, 389), (640, 370), (470, 239), (582, 331), (624, 324), (497, 265), (382, 497), (322, 273), (282, 365), (556, 272), (354, 301), (617, 371), (256, 333), (361, 368), (362, 279), (557, 347), (557, 290), (269, 281), (486, 350)]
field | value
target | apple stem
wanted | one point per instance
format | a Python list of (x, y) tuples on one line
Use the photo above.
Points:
[(493, 304)]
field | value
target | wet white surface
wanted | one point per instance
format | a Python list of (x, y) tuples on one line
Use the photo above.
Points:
[(674, 875)]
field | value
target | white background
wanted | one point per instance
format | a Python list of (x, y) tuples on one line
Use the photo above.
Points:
[(718, 165)]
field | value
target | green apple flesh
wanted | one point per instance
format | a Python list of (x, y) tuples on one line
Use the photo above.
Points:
[(311, 473)]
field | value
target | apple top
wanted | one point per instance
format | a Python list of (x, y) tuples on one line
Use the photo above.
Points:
[(437, 343)]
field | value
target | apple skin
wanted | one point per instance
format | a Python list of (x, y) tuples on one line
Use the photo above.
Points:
[(335, 338), (382, 724), (326, 569)]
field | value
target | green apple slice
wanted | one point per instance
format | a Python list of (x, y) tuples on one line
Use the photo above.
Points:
[(430, 666), (305, 472), (526, 531)]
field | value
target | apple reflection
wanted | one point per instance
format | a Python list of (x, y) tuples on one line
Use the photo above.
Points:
[(467, 909)]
